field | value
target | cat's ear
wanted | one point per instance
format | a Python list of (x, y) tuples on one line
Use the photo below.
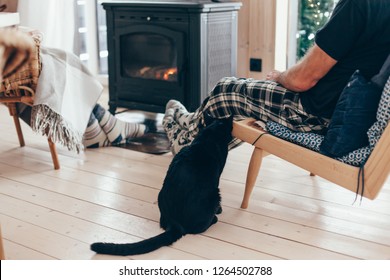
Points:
[(207, 118), (229, 122), (230, 119)]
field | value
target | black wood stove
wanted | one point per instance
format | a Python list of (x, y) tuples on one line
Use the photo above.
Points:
[(168, 49)]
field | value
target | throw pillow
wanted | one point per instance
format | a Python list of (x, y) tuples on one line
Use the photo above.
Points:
[(313, 141), (355, 112)]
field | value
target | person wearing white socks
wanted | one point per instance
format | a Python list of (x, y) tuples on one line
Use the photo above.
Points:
[(104, 129)]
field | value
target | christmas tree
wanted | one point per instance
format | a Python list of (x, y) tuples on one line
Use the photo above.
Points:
[(313, 14)]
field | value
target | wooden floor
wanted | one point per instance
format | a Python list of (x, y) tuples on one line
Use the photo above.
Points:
[(109, 194)]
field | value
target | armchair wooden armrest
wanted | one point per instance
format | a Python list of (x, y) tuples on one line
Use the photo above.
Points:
[(375, 171)]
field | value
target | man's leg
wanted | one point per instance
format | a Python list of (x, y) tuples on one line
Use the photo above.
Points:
[(182, 126), (262, 100)]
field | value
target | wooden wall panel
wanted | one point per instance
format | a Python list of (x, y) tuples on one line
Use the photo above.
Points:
[(11, 5), (243, 40), (256, 36)]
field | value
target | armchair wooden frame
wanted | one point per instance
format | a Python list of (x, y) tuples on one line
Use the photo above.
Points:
[(28, 99), (2, 254), (376, 168), (20, 64)]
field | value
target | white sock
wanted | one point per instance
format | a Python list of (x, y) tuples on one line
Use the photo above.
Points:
[(94, 136), (117, 131)]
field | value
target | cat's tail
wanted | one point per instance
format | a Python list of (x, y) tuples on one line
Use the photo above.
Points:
[(145, 246)]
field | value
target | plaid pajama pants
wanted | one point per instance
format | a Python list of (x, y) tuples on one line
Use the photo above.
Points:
[(261, 100)]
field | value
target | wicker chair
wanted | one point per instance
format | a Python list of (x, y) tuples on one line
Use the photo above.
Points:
[(20, 64)]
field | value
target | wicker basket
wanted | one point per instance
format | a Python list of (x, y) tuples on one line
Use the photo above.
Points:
[(24, 81)]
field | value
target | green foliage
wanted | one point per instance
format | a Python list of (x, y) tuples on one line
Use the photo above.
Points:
[(313, 14)]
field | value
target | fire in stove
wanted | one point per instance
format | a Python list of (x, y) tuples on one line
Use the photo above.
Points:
[(153, 72)]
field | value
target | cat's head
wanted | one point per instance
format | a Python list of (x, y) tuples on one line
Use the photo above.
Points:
[(208, 119), (218, 129)]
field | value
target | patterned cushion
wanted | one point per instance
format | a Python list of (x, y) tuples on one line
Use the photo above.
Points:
[(355, 158), (313, 141), (382, 116), (308, 140)]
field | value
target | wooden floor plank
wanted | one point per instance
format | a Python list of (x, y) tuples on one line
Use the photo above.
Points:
[(136, 226), (110, 194), (15, 251), (149, 212), (47, 242)]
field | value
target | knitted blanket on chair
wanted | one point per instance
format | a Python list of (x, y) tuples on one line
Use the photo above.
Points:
[(65, 96)]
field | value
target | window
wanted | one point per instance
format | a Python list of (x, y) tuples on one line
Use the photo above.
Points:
[(296, 24), (102, 39), (91, 39), (312, 14)]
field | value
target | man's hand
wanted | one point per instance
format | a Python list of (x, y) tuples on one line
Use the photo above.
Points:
[(306, 73), (273, 75)]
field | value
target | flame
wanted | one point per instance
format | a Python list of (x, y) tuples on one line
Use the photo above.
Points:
[(169, 72)]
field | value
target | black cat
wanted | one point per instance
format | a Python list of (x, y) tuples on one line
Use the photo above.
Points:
[(189, 198)]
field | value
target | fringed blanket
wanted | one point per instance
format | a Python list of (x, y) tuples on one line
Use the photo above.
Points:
[(64, 98)]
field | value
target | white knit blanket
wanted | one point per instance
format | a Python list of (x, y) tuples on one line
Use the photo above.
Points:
[(65, 96)]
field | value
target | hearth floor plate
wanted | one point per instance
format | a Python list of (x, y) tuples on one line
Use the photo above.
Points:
[(151, 143)]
